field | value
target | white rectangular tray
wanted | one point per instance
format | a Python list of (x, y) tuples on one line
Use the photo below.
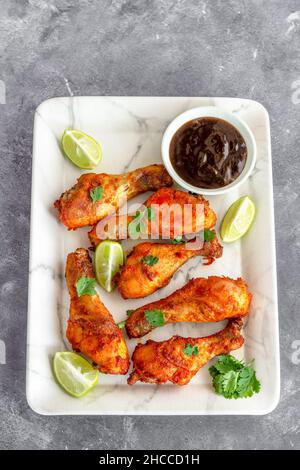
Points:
[(130, 131)]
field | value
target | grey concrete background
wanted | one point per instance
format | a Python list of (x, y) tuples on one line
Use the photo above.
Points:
[(236, 48)]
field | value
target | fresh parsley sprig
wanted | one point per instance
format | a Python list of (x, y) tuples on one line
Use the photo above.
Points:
[(233, 378)]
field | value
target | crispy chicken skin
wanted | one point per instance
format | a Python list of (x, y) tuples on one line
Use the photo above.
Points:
[(91, 329), (160, 362), (162, 199), (201, 300), (137, 279), (77, 209)]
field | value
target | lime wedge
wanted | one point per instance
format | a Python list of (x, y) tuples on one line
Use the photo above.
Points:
[(238, 219), (109, 257), (74, 374), (81, 149)]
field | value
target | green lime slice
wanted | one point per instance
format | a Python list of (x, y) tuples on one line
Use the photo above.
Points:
[(81, 149), (74, 373), (109, 257), (238, 219)]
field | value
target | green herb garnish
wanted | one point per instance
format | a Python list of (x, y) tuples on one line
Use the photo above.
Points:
[(121, 325), (150, 260), (155, 317), (137, 225), (140, 227), (86, 286), (150, 213), (96, 193), (233, 378), (208, 235), (177, 240), (129, 312), (190, 350)]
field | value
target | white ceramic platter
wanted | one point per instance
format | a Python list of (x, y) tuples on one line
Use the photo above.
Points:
[(130, 131)]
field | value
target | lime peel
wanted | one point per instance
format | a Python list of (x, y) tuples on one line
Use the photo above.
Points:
[(109, 257), (84, 151), (238, 219), (74, 373)]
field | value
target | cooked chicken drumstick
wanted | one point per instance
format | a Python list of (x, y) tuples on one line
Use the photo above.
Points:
[(91, 329), (178, 359), (164, 224), (150, 266), (77, 207), (200, 300)]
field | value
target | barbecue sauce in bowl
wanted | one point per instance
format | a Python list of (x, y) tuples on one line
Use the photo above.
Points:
[(208, 152)]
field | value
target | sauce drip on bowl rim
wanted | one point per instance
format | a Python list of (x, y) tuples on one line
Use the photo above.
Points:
[(208, 152)]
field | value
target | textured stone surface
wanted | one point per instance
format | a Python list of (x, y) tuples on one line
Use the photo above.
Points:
[(140, 47)]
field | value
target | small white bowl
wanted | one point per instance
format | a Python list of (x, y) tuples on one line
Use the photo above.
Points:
[(209, 111)]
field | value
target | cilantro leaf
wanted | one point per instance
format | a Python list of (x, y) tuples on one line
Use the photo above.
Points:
[(213, 372), (226, 363), (96, 193), (218, 384), (155, 317), (229, 383), (136, 225), (121, 325), (208, 235), (150, 213), (248, 383), (233, 378), (150, 260), (177, 240), (190, 350), (129, 312), (140, 227), (137, 214), (86, 286)]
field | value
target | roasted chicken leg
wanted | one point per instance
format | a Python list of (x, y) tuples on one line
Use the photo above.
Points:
[(172, 213), (202, 300), (150, 266), (77, 207), (91, 329), (160, 362)]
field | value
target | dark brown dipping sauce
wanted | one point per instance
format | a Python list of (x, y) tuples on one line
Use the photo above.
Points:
[(208, 152)]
